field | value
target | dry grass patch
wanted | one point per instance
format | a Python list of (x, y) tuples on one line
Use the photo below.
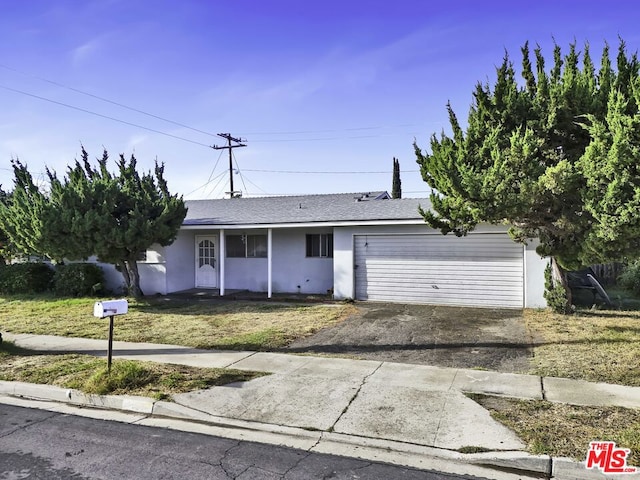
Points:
[(196, 323), (598, 346), (89, 374), (566, 430)]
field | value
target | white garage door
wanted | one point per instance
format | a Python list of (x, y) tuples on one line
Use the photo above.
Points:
[(476, 270)]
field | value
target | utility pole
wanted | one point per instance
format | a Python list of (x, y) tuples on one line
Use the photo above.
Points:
[(238, 143)]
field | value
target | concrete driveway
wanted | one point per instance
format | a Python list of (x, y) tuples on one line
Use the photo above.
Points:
[(494, 339)]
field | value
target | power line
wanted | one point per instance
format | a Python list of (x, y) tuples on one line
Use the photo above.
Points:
[(215, 166), (205, 184), (252, 183), (103, 116), (220, 177), (103, 99), (183, 125), (240, 173)]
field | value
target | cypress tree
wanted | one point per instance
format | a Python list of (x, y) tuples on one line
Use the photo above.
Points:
[(93, 212), (536, 156), (6, 248), (396, 185)]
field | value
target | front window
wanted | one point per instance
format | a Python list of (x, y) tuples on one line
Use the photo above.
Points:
[(235, 246), (320, 245), (246, 246)]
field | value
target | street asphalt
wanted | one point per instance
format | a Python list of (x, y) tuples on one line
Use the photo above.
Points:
[(412, 415)]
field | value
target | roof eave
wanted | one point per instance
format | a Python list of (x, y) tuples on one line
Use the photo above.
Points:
[(344, 223)]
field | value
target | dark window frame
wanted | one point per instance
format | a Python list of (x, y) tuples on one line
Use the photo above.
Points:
[(246, 246), (319, 245)]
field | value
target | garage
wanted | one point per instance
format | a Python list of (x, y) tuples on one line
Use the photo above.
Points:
[(482, 269)]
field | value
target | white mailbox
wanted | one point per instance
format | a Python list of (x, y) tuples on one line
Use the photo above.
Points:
[(109, 308)]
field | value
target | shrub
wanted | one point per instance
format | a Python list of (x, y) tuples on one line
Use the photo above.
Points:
[(26, 278), (125, 375), (555, 294), (78, 280), (629, 279)]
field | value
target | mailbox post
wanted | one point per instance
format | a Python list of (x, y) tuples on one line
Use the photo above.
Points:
[(110, 308)]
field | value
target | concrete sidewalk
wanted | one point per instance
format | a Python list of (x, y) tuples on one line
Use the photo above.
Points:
[(416, 411)]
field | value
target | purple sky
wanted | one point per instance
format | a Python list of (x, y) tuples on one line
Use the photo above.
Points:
[(313, 86)]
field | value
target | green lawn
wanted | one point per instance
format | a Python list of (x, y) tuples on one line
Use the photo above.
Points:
[(566, 430), (598, 345), (89, 374), (195, 323)]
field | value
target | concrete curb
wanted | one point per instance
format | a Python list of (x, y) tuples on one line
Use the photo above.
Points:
[(567, 469), (127, 403), (495, 465), (388, 451)]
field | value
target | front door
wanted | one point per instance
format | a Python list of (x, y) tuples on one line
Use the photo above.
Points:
[(206, 265)]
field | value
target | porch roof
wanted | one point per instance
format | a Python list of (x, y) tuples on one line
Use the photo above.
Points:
[(304, 209)]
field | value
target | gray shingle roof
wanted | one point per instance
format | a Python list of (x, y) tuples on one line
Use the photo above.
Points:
[(340, 207)]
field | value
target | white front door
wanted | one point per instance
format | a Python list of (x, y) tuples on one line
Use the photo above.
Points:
[(206, 265)]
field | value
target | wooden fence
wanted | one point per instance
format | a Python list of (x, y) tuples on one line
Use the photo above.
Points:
[(608, 273)]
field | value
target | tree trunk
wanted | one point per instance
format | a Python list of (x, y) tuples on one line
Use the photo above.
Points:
[(559, 275), (134, 277), (125, 274)]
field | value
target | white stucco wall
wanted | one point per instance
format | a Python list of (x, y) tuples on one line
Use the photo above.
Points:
[(113, 280), (152, 278), (292, 271), (153, 273), (171, 268), (534, 267), (246, 274), (180, 262)]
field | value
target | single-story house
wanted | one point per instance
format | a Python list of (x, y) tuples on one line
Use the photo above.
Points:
[(364, 246)]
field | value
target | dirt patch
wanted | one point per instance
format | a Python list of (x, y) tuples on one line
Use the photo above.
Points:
[(493, 339)]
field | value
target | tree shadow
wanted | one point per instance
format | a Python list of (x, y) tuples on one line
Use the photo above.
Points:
[(376, 348), (181, 306), (9, 348)]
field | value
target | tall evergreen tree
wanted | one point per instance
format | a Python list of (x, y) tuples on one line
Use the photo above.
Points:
[(611, 168), (521, 160), (6, 248), (93, 212), (396, 187), (21, 216)]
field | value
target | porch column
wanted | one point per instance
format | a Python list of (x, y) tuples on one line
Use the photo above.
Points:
[(269, 270), (221, 260)]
